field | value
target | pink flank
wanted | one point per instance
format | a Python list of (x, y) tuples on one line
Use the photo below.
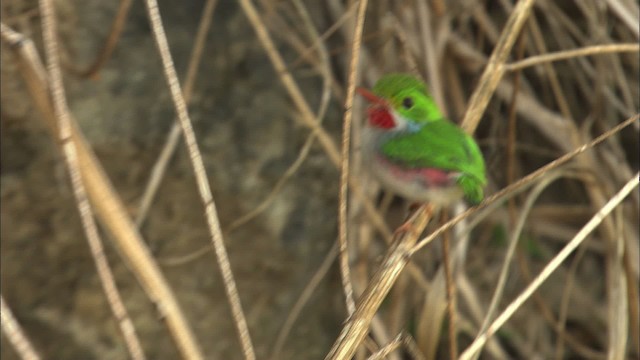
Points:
[(431, 177)]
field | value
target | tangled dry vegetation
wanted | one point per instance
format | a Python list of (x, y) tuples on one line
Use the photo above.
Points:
[(546, 267)]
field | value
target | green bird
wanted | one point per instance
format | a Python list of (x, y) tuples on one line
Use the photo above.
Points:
[(413, 150)]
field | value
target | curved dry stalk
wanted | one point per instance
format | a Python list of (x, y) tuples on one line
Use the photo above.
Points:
[(523, 182), (564, 302), (110, 44), (201, 179), (551, 266), (70, 155), (170, 145), (109, 208), (13, 331), (568, 54), (344, 166)]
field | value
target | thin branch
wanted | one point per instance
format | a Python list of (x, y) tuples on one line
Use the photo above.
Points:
[(568, 54), (346, 147), (170, 145), (201, 179)]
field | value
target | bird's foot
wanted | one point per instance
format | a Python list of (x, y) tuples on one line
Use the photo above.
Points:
[(407, 226)]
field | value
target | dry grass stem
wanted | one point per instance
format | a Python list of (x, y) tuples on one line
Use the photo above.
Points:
[(14, 333), (344, 164), (170, 145), (568, 54), (64, 136), (201, 179)]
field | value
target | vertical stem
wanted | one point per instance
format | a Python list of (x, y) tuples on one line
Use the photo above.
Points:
[(451, 289)]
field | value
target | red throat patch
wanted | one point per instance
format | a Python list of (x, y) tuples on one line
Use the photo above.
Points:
[(380, 117)]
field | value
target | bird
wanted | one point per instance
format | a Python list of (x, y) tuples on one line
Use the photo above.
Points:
[(413, 150)]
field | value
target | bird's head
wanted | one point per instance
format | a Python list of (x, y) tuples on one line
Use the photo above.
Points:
[(400, 102)]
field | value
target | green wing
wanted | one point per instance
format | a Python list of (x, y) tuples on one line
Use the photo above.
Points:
[(439, 144)]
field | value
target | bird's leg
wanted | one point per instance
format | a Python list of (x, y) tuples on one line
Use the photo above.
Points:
[(406, 225)]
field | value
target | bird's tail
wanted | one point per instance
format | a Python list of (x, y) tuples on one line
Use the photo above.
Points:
[(472, 188)]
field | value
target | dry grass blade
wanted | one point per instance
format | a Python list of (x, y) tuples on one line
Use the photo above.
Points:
[(344, 166), (14, 333), (110, 209), (568, 54), (357, 326), (551, 266), (201, 179), (70, 154), (160, 167)]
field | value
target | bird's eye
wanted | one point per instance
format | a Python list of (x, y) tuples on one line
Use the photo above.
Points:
[(407, 103)]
